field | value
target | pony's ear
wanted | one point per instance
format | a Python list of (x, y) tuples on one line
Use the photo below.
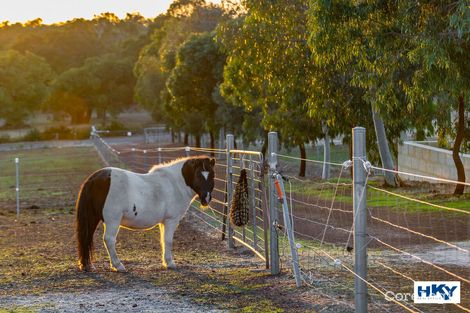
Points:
[(212, 162)]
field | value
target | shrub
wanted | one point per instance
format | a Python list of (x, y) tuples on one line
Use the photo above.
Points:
[(5, 139), (116, 126), (32, 135), (60, 132)]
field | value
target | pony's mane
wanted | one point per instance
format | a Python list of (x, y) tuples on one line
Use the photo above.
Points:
[(175, 161)]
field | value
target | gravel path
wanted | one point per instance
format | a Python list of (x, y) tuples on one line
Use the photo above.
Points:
[(144, 299)]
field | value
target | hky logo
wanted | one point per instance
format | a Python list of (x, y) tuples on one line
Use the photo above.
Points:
[(437, 292)]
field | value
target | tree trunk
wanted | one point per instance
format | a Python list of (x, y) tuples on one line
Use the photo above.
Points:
[(104, 118), (264, 147), (198, 141), (82, 117), (303, 163), (384, 150), (221, 138), (186, 139), (326, 154), (459, 189), (212, 143)]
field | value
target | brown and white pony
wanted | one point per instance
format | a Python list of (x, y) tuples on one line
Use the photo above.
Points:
[(120, 198)]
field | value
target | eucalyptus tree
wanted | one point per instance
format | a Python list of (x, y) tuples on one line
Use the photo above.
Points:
[(25, 80), (69, 44), (158, 58), (191, 85), (407, 56), (104, 84), (343, 43), (438, 34), (239, 88), (269, 67)]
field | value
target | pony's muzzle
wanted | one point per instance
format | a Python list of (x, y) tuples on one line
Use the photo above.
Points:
[(205, 200)]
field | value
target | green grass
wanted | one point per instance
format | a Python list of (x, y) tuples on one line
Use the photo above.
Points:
[(379, 199), (25, 309), (321, 190), (45, 172)]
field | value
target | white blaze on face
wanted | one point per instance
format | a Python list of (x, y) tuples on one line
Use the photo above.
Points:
[(208, 197), (205, 174)]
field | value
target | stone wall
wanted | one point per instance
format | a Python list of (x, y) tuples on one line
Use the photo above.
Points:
[(420, 158)]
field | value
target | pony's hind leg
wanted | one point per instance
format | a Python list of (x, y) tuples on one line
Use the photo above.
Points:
[(109, 237), (167, 230)]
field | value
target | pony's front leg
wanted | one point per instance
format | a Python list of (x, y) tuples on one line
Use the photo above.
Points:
[(109, 237), (167, 230)]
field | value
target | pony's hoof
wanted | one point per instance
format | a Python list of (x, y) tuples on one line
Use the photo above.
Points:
[(88, 268), (169, 266), (119, 268)]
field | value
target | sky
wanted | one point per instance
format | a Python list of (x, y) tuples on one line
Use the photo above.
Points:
[(52, 11)]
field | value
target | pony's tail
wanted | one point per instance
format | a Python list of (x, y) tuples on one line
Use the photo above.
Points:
[(89, 208)]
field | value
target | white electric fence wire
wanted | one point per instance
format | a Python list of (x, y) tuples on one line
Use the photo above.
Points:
[(418, 233), (318, 223), (420, 259), (421, 176), (420, 201), (313, 182), (365, 281), (302, 159), (331, 206), (319, 206), (261, 256), (412, 280)]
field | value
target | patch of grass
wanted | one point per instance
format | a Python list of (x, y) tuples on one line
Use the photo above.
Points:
[(381, 199), (262, 306), (378, 199), (323, 190), (228, 288), (46, 173), (23, 309)]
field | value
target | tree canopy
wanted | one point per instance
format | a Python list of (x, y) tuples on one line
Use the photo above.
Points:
[(307, 69), (25, 80)]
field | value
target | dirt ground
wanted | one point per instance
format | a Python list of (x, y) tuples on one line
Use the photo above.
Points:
[(39, 273)]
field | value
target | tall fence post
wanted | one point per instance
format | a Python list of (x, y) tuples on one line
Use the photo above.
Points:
[(326, 154), (253, 201), (242, 167), (134, 159), (360, 219), (290, 232), (146, 163), (221, 137), (230, 145), (17, 165), (273, 204)]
